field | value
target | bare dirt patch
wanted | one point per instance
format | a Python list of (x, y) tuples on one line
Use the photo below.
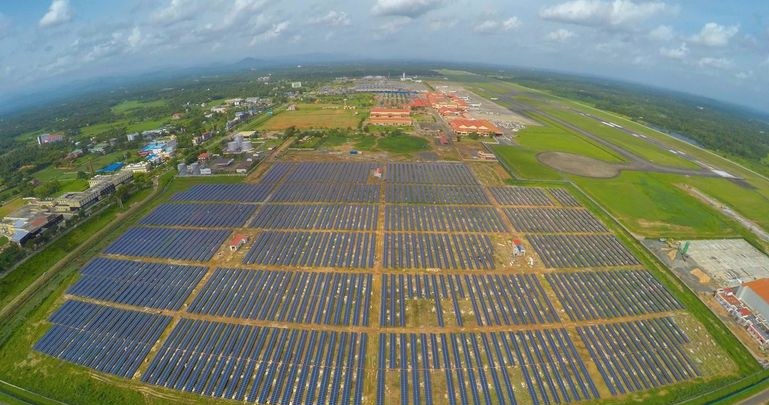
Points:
[(579, 165)]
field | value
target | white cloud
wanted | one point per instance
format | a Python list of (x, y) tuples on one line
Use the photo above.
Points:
[(332, 19), (495, 26), (663, 33), (715, 35), (675, 53), (603, 13), (58, 13), (391, 27), (276, 30), (715, 63), (744, 75), (405, 8), (445, 24), (176, 11), (135, 38), (559, 35)]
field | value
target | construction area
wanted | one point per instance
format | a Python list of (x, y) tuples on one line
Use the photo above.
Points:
[(354, 282)]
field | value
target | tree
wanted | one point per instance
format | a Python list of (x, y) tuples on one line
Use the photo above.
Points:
[(121, 192)]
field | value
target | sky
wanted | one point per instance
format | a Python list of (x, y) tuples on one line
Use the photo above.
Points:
[(718, 49)]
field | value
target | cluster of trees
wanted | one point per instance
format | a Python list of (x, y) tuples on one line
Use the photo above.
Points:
[(725, 128)]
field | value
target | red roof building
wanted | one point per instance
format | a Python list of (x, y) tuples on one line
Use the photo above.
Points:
[(465, 126), (379, 112), (390, 121), (237, 241)]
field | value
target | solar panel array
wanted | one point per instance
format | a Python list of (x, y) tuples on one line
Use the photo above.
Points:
[(274, 365), (336, 257), (166, 243), (202, 215), (155, 285), (107, 339), (287, 296)]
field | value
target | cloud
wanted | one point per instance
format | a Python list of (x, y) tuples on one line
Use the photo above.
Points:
[(663, 33), (495, 26), (715, 63), (391, 27), (275, 31), (744, 75), (715, 35), (559, 35), (405, 8), (332, 19), (675, 53), (445, 24), (176, 11), (599, 13), (58, 13)]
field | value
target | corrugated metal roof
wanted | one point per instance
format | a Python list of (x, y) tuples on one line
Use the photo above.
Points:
[(760, 287)]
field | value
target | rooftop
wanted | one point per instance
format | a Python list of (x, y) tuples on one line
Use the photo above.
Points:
[(760, 287)]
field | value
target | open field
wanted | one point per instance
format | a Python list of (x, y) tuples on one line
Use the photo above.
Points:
[(309, 116), (11, 206)]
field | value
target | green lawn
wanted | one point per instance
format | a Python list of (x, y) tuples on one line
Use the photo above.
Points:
[(402, 144), (650, 204), (551, 137), (523, 162)]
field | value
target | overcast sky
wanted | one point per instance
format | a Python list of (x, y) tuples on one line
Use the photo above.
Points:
[(714, 48)]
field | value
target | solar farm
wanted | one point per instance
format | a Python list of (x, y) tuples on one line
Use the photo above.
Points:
[(376, 283)]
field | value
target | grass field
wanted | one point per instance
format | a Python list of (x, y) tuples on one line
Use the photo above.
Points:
[(402, 144), (133, 106), (11, 206), (551, 137), (309, 116)]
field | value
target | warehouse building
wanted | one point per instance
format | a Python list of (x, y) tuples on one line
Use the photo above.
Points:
[(755, 295), (26, 223)]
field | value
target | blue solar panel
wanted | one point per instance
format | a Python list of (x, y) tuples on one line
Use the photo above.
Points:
[(609, 294), (430, 194), (286, 296), (185, 244), (204, 215), (438, 251), (347, 217), (136, 283), (317, 249), (261, 364), (430, 173), (333, 172), (495, 299), (319, 192), (226, 192), (107, 339), (442, 218), (651, 354)]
